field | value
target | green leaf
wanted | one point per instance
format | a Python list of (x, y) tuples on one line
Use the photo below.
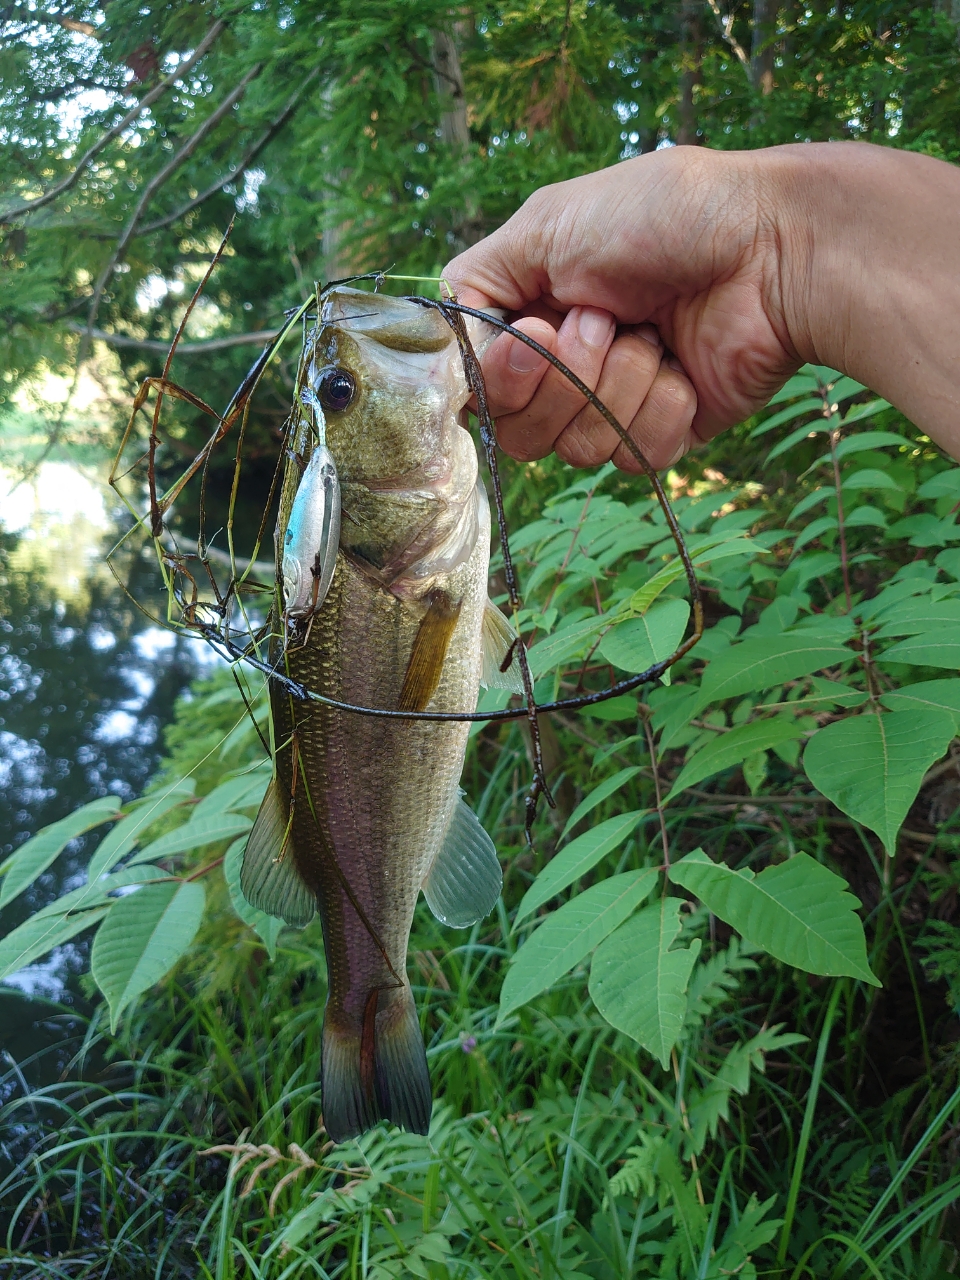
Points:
[(802, 433), (861, 411), (639, 984), (927, 695), (921, 614), (800, 384), (926, 650), (733, 747), (96, 894), (601, 793), (569, 934), (236, 793), (120, 840), (39, 934), (642, 599), (798, 911), (825, 524), (32, 859), (214, 827), (871, 766), (944, 485), (565, 643), (267, 926), (805, 503), (143, 937), (871, 478), (576, 859), (868, 439), (813, 404), (865, 516), (638, 643), (763, 661)]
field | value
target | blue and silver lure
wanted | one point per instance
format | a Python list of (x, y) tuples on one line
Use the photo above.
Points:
[(313, 530)]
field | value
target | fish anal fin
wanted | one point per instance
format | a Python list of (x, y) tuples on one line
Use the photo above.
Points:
[(465, 880), (269, 879), (498, 638), (429, 652), (358, 1092)]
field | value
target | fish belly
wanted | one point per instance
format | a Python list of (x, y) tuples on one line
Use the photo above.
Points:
[(372, 801)]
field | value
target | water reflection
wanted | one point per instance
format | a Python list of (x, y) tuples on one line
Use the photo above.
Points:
[(87, 680)]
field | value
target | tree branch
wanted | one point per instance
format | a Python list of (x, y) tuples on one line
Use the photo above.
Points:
[(259, 337), (274, 128), (154, 185), (726, 30), (147, 100)]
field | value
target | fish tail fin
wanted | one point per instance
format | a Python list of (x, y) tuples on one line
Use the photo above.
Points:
[(379, 1075)]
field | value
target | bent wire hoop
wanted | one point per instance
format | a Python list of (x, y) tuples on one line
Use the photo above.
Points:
[(195, 615)]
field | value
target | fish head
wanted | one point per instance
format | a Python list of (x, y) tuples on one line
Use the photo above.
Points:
[(389, 377)]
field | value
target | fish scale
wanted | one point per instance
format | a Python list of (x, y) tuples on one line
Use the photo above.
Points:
[(363, 812)]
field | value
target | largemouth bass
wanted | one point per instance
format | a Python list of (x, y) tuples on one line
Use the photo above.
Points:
[(363, 812)]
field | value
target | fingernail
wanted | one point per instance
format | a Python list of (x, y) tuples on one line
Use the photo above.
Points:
[(675, 363), (595, 327), (679, 454), (524, 359), (650, 333)]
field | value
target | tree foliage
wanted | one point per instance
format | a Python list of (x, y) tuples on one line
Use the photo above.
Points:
[(362, 135)]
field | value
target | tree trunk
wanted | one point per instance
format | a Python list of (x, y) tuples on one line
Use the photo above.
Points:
[(467, 226), (448, 79), (762, 49), (691, 53)]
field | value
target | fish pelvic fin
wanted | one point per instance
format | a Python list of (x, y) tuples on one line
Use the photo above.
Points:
[(380, 1074), (499, 642), (464, 882), (429, 652), (269, 879)]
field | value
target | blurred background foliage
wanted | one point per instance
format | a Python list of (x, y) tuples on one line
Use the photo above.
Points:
[(360, 134)]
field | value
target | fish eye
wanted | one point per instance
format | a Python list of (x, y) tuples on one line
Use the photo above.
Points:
[(336, 387)]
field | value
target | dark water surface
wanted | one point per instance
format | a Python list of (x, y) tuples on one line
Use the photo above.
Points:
[(87, 683)]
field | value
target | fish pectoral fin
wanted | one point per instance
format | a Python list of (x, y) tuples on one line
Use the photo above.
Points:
[(269, 879), (498, 637), (429, 652), (465, 880)]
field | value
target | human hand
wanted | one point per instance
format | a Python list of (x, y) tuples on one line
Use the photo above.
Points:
[(744, 264)]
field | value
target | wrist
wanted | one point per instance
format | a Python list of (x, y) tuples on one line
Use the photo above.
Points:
[(870, 272)]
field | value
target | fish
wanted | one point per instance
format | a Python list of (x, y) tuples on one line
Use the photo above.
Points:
[(362, 813)]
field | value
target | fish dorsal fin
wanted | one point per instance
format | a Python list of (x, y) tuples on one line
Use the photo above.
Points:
[(465, 880), (497, 637), (269, 879), (429, 652)]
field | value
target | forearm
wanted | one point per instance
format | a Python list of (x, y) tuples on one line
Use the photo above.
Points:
[(872, 282)]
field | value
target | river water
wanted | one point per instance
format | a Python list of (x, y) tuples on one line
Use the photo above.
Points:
[(87, 683)]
